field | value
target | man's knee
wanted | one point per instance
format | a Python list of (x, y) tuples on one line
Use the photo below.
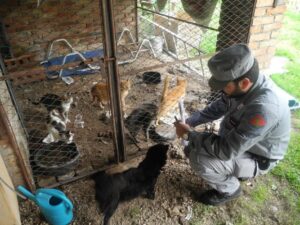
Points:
[(206, 166)]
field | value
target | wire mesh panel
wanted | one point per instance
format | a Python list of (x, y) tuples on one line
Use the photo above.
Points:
[(68, 127), (162, 52), (166, 61), (64, 107)]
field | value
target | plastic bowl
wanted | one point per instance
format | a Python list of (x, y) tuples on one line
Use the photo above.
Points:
[(56, 159), (152, 77)]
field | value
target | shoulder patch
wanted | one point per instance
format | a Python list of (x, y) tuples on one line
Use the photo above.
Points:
[(258, 121)]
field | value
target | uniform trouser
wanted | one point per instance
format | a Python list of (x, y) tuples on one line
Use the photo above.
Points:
[(223, 175)]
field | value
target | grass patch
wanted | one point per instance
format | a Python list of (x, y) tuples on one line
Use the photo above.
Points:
[(134, 212), (289, 46), (289, 81), (289, 168), (200, 211), (260, 194), (242, 219)]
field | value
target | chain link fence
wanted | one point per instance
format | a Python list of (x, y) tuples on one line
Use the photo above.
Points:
[(67, 133), (63, 102), (167, 61)]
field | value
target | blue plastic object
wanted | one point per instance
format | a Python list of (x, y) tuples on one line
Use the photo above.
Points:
[(54, 205), (72, 58)]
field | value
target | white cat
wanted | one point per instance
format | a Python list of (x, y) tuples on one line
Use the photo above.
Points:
[(57, 129)]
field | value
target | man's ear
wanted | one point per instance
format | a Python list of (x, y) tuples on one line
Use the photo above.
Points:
[(245, 83)]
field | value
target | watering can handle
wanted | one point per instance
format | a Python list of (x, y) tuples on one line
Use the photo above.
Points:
[(58, 194)]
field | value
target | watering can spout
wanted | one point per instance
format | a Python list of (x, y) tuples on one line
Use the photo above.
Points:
[(26, 193)]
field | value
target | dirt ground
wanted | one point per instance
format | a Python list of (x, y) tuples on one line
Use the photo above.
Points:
[(174, 202), (95, 151)]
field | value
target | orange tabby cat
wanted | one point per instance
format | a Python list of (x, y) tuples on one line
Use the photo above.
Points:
[(100, 93), (170, 97)]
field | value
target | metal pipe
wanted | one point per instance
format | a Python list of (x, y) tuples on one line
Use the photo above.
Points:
[(165, 40), (55, 41), (175, 44), (202, 68), (170, 32), (184, 21), (122, 33), (187, 53), (110, 55), (137, 22), (138, 52), (179, 61)]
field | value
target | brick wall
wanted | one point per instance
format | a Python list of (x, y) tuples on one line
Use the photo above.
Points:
[(264, 30), (31, 29)]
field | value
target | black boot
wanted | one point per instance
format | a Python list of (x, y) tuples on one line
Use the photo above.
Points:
[(213, 197)]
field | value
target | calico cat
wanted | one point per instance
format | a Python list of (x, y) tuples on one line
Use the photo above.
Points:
[(100, 93), (171, 97), (57, 129), (54, 102)]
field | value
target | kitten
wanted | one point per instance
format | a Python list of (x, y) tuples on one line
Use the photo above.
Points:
[(55, 102), (57, 129), (100, 93), (171, 97), (141, 119)]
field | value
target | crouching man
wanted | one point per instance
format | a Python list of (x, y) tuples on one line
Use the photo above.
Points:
[(254, 132)]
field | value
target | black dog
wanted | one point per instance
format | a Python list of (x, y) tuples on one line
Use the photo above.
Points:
[(112, 189)]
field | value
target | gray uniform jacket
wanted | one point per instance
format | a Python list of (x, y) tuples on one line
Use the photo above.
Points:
[(258, 122)]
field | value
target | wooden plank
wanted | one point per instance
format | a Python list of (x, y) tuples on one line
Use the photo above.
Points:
[(9, 209)]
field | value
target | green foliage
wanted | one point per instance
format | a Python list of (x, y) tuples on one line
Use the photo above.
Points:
[(290, 80), (289, 168), (208, 42), (289, 47)]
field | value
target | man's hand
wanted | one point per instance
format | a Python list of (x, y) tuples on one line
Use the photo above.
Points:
[(181, 128)]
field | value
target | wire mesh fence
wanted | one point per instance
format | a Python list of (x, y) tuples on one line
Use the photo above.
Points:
[(162, 53), (67, 133), (65, 115), (167, 61)]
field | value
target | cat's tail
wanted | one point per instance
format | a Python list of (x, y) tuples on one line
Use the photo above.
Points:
[(163, 96), (166, 87)]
